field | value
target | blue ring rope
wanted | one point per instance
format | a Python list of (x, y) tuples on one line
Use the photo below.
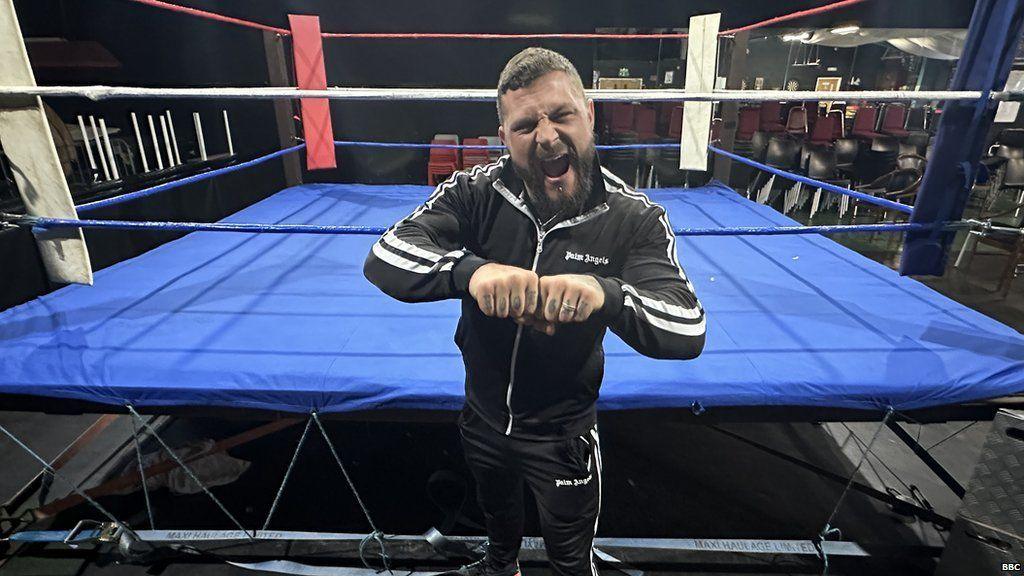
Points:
[(816, 183), (49, 223), (421, 145), (889, 204), (187, 180)]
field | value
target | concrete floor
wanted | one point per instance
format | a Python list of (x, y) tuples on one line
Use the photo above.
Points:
[(664, 478)]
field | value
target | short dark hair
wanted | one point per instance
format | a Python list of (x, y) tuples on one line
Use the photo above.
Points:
[(530, 64)]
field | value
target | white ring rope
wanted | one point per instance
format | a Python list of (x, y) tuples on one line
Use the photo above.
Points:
[(488, 94)]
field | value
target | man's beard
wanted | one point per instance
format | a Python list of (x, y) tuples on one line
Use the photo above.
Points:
[(569, 203)]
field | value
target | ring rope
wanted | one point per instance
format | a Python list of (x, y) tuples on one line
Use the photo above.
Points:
[(206, 14), (883, 202), (88, 206), (489, 94), (424, 145), (45, 223), (114, 200)]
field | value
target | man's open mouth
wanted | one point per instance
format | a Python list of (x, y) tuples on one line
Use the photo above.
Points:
[(555, 167)]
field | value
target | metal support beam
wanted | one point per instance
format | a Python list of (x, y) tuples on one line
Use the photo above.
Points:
[(28, 144), (928, 459), (989, 50), (884, 497), (284, 111)]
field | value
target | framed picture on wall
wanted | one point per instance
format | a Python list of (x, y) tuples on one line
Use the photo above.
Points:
[(827, 84), (620, 83)]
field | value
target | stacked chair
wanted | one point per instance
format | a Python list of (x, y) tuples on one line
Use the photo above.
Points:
[(1005, 162), (475, 156), (899, 185), (443, 161), (877, 152)]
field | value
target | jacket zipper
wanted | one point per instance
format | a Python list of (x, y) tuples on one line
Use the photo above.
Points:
[(541, 234), (519, 333)]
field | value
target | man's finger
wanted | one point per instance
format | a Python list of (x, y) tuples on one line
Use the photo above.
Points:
[(569, 305), (583, 310), (516, 297), (487, 301), (501, 296), (530, 303), (551, 293)]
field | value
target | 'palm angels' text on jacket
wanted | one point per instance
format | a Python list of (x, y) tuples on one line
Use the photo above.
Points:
[(518, 380)]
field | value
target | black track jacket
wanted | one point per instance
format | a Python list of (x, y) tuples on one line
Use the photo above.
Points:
[(518, 380)]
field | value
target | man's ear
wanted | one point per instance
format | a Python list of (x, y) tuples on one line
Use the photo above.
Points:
[(590, 112), (501, 134)]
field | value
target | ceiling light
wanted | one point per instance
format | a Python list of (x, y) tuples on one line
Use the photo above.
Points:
[(795, 37), (844, 30)]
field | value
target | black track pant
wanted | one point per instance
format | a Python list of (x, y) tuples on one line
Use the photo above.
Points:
[(565, 478)]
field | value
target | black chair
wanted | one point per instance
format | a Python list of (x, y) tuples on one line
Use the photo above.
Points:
[(822, 164), (916, 120), (877, 160), (756, 150), (1013, 137), (918, 139), (899, 185), (1014, 177), (783, 152), (1008, 146), (846, 150), (624, 163), (912, 161), (759, 146), (906, 148), (664, 166)]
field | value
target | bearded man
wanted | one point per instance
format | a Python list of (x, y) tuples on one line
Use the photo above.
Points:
[(546, 250)]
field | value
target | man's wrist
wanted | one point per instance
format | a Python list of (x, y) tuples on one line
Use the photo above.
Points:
[(613, 298), (463, 271)]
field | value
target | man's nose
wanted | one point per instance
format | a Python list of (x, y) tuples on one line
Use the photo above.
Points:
[(547, 136)]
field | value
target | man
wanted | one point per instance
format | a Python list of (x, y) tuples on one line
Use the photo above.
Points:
[(546, 250)]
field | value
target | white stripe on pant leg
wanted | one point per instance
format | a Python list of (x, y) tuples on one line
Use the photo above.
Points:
[(597, 459)]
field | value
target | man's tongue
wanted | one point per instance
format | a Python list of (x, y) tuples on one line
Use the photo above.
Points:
[(555, 167)]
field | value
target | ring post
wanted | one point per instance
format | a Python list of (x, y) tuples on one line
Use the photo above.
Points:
[(701, 66), (27, 141), (310, 74), (988, 53)]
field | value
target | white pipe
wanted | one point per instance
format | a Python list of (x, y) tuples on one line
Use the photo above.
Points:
[(227, 131), (167, 141), (488, 95), (138, 140), (199, 135), (967, 250), (99, 148), (156, 143), (110, 149), (88, 145), (174, 138)]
